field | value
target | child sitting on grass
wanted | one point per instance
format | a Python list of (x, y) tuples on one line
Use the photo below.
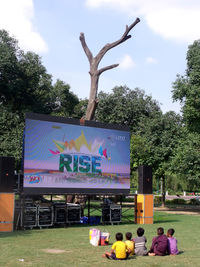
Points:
[(140, 243), (172, 242), (159, 245), (118, 251), (130, 244)]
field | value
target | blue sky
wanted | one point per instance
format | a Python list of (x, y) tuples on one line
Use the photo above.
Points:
[(150, 60)]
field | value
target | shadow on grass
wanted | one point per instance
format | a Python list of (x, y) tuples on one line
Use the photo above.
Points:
[(127, 259), (165, 218), (126, 220), (15, 233), (165, 221), (101, 224)]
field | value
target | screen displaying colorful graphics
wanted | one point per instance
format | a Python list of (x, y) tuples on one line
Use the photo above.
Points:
[(62, 156)]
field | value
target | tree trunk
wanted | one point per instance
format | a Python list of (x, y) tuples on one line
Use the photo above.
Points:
[(92, 103), (163, 191)]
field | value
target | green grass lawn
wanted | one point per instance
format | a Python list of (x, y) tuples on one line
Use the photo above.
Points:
[(31, 245)]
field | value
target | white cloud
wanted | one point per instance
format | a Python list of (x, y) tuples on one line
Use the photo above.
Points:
[(16, 17), (126, 62), (151, 60), (178, 20)]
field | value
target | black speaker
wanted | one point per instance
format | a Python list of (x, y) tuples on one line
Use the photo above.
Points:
[(144, 180), (30, 217), (73, 213), (111, 213), (115, 213), (7, 165), (45, 216), (60, 213), (105, 213)]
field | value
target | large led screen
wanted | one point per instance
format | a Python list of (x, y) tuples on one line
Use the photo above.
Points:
[(63, 156)]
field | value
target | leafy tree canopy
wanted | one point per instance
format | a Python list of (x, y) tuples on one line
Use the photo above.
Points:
[(24, 82), (155, 140), (80, 108), (186, 161), (11, 134), (64, 100), (125, 106), (186, 89)]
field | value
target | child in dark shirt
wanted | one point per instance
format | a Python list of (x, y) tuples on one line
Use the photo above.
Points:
[(159, 245), (140, 243)]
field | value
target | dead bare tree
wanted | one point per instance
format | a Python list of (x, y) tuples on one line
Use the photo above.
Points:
[(95, 72)]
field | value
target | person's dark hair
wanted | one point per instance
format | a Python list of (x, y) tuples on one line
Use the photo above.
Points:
[(128, 235), (160, 231), (171, 231), (119, 236), (140, 231)]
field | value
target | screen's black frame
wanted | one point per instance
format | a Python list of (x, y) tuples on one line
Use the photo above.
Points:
[(84, 191)]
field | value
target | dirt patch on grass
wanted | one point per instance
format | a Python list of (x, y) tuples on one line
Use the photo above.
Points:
[(55, 251), (183, 212), (180, 210)]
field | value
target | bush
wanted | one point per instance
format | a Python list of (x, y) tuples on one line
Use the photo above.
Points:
[(171, 192), (194, 201), (157, 200), (178, 201)]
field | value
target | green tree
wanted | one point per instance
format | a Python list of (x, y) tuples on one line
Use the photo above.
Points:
[(80, 109), (186, 161), (125, 106), (9, 70), (11, 134), (140, 151), (154, 142), (64, 100), (24, 82), (35, 85), (186, 89), (160, 136)]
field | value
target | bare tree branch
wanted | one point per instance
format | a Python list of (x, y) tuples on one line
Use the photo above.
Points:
[(107, 68), (85, 47), (124, 37), (94, 62)]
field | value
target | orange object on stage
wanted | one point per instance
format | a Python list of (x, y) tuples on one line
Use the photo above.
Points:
[(144, 209), (7, 202)]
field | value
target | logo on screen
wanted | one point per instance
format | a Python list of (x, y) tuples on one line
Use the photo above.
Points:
[(80, 163), (34, 179), (80, 156)]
